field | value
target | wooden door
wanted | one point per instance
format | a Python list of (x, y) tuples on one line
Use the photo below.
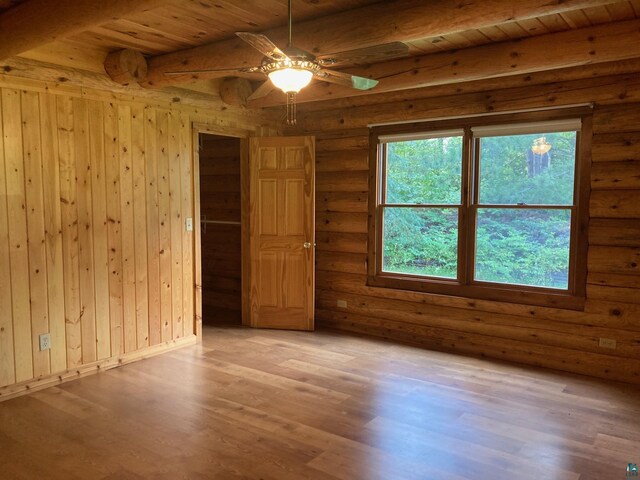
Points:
[(281, 232)]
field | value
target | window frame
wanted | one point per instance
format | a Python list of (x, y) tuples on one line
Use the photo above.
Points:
[(465, 286)]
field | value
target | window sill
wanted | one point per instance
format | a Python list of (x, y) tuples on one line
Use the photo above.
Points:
[(498, 293)]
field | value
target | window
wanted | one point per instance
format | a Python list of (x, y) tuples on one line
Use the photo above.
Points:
[(485, 208)]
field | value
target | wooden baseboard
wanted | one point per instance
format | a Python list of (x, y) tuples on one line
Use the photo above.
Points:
[(617, 369), (22, 388)]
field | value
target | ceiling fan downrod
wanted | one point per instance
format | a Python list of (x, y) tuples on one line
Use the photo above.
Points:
[(289, 42)]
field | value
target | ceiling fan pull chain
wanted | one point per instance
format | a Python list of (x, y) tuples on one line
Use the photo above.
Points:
[(291, 108)]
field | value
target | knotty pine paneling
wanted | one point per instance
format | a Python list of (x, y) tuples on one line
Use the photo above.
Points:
[(93, 200), (543, 336)]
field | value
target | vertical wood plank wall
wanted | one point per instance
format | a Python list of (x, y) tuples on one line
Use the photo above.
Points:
[(220, 201), (561, 339), (93, 200)]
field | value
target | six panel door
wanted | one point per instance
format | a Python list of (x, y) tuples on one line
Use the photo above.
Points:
[(281, 237)]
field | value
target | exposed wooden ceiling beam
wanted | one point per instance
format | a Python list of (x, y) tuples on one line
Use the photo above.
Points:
[(60, 77), (603, 43), (596, 70), (392, 21), (36, 22), (602, 90)]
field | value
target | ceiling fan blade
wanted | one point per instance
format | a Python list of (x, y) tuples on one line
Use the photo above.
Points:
[(376, 53), (341, 78), (219, 72), (263, 45), (262, 91)]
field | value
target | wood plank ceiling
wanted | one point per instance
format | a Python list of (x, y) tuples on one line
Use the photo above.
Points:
[(185, 24), (182, 24), (176, 26)]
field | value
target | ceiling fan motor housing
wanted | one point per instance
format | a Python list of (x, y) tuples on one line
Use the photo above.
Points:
[(269, 65)]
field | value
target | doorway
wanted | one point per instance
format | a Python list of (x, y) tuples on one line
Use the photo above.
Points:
[(220, 229), (237, 272)]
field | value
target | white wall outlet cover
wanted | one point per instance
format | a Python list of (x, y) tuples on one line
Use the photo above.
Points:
[(45, 341), (341, 303), (607, 343), (189, 224)]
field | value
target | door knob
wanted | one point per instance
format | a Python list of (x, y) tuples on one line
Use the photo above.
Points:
[(307, 245)]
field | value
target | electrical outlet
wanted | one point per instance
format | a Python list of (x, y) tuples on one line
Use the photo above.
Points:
[(607, 342), (341, 303), (45, 341), (188, 224)]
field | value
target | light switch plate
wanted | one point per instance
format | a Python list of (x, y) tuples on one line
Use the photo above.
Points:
[(189, 224), (341, 303)]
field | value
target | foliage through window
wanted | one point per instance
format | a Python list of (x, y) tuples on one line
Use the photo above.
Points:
[(485, 206)]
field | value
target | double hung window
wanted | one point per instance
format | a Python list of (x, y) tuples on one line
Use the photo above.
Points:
[(489, 208)]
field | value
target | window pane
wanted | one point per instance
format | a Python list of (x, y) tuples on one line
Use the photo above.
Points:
[(523, 246), (421, 241), (424, 171), (529, 169)]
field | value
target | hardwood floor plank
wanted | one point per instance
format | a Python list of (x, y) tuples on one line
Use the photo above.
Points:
[(249, 404)]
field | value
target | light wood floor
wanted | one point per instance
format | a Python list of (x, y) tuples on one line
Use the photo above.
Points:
[(287, 405)]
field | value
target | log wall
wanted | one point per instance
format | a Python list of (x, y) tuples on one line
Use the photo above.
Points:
[(562, 339), (94, 193)]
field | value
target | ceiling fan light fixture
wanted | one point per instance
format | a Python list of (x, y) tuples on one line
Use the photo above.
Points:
[(291, 79), (291, 74)]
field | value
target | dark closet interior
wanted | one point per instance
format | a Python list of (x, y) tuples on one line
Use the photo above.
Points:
[(220, 229)]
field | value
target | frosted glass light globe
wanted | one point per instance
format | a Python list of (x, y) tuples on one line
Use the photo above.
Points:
[(290, 79)]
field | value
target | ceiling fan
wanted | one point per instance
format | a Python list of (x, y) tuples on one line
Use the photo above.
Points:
[(290, 69)]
